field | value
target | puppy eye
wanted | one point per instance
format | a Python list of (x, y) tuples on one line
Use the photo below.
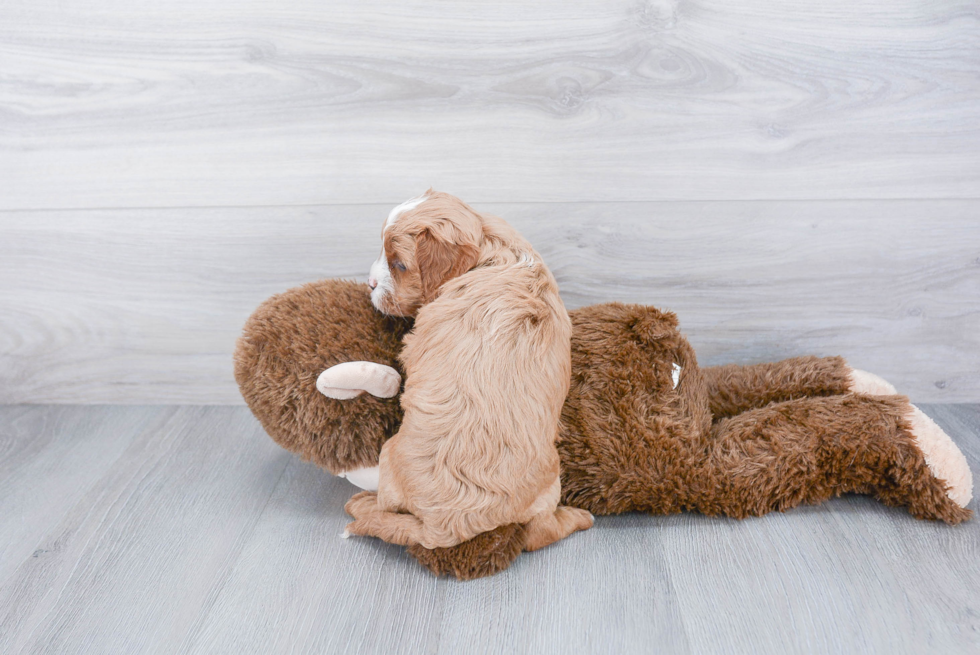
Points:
[(399, 266)]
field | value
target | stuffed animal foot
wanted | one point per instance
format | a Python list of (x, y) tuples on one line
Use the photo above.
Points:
[(483, 555), (351, 379), (491, 552), (869, 384), (945, 460)]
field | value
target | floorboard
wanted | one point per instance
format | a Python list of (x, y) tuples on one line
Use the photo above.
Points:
[(185, 529), (137, 559)]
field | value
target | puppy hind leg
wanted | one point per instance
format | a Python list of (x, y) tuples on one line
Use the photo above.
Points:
[(363, 504), (371, 520), (548, 527)]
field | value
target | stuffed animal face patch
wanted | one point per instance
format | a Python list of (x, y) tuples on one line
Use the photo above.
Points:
[(426, 241)]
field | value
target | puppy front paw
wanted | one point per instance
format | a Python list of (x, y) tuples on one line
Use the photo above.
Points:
[(575, 517), (362, 505), (351, 379)]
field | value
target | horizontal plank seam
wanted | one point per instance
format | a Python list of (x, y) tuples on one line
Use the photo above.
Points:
[(492, 202)]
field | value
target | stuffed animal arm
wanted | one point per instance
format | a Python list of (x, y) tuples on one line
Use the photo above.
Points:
[(351, 379)]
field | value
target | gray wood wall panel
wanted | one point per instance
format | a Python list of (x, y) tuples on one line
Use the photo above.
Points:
[(137, 306), (243, 102), (276, 134), (202, 536)]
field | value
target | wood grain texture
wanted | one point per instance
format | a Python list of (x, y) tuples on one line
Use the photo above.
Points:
[(201, 536), (143, 306), (299, 586), (183, 103), (36, 487), (134, 563)]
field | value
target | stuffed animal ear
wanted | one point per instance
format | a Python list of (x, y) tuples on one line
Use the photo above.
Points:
[(440, 259)]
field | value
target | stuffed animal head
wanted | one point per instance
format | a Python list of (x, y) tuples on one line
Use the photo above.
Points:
[(294, 336)]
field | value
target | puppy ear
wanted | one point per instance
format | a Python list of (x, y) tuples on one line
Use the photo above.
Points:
[(440, 260)]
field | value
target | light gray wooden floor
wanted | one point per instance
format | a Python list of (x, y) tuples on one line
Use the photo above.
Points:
[(166, 529)]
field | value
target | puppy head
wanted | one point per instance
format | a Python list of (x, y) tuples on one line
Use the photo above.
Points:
[(426, 242)]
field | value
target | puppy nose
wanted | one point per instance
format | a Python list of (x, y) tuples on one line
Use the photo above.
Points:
[(372, 283)]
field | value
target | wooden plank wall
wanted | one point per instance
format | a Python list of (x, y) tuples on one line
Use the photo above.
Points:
[(794, 177)]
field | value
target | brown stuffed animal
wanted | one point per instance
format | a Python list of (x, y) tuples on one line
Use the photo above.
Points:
[(643, 428)]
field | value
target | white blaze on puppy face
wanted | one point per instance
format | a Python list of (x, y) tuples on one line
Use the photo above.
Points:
[(406, 206), (380, 272), (379, 269)]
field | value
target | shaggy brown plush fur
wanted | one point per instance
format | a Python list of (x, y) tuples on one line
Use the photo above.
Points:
[(735, 389), (483, 555), (731, 440), (631, 442)]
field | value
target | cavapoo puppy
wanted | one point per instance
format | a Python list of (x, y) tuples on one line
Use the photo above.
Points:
[(487, 368)]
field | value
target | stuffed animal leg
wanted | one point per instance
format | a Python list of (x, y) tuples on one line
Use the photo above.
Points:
[(784, 434), (773, 457), (850, 428), (734, 389), (808, 450)]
